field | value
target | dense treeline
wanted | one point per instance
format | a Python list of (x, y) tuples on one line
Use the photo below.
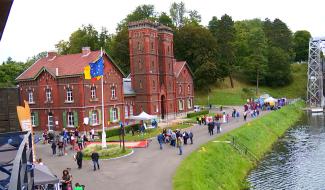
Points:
[(254, 50)]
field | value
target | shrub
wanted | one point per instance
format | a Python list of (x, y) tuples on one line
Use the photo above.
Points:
[(189, 115), (116, 131)]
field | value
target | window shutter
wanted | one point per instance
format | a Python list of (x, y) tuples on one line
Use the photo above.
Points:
[(75, 118), (118, 114), (64, 119), (99, 116), (36, 118), (111, 115), (90, 118)]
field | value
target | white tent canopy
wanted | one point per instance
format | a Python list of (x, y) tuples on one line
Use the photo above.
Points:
[(270, 99), (143, 116)]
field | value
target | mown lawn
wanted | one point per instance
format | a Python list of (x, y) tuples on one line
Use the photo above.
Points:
[(223, 94), (217, 165)]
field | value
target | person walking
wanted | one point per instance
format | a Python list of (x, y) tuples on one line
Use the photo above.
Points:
[(190, 135), (210, 128), (160, 139), (60, 145), (66, 180), (185, 137), (95, 158), (180, 145), (218, 126), (92, 134), (173, 139), (53, 146), (78, 158), (79, 141)]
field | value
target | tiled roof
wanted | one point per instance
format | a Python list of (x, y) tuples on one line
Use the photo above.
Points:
[(178, 66), (67, 65)]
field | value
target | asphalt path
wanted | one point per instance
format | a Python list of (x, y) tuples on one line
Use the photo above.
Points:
[(146, 169)]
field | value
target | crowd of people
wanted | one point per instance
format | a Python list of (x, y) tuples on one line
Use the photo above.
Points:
[(176, 138)]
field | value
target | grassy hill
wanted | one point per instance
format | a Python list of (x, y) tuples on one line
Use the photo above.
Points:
[(223, 94)]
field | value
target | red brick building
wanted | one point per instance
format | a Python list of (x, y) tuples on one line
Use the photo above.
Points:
[(60, 97)]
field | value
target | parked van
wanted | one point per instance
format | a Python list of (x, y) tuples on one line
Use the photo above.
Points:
[(197, 108)]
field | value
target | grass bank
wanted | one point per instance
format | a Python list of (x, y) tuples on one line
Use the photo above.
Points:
[(223, 94), (217, 165)]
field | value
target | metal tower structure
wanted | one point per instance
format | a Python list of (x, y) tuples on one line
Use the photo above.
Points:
[(315, 88)]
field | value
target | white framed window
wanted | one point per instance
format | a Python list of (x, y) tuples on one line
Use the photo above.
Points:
[(50, 121), (69, 95), (70, 119), (189, 103), (94, 117), (126, 111), (131, 110), (48, 95), (93, 92), (33, 119), (113, 91), (180, 105), (30, 97), (114, 114), (140, 83)]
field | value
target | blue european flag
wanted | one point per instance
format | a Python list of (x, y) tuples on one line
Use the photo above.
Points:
[(97, 68)]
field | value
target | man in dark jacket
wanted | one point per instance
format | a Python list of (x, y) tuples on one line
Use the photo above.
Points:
[(160, 139), (94, 158), (79, 156)]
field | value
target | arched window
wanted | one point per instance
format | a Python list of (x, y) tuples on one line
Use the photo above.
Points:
[(189, 89), (50, 121), (180, 89), (93, 92), (70, 119), (94, 117), (126, 111), (48, 94), (140, 83), (30, 97), (69, 95), (113, 91), (33, 118), (114, 114)]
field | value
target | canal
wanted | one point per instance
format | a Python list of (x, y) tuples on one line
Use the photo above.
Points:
[(297, 160)]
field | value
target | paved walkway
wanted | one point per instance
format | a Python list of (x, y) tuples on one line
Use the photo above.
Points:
[(148, 168)]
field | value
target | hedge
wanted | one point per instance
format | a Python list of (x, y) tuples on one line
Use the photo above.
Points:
[(116, 131), (189, 115)]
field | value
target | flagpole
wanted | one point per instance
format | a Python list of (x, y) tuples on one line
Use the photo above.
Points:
[(104, 145)]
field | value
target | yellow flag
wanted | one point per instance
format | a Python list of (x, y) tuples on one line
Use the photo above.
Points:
[(87, 72), (24, 117)]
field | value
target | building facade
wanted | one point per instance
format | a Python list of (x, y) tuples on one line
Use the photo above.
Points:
[(60, 97)]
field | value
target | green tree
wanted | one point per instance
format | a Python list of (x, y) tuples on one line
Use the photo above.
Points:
[(177, 12), (206, 75), (195, 44), (226, 50), (301, 44), (256, 62), (279, 72), (165, 20), (213, 26), (9, 71)]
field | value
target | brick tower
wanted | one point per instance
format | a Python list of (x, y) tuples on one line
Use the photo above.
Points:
[(151, 62)]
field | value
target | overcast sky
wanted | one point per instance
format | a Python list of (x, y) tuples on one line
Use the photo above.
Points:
[(34, 26)]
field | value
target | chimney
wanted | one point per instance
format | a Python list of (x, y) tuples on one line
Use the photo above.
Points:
[(85, 51), (51, 54), (56, 71)]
